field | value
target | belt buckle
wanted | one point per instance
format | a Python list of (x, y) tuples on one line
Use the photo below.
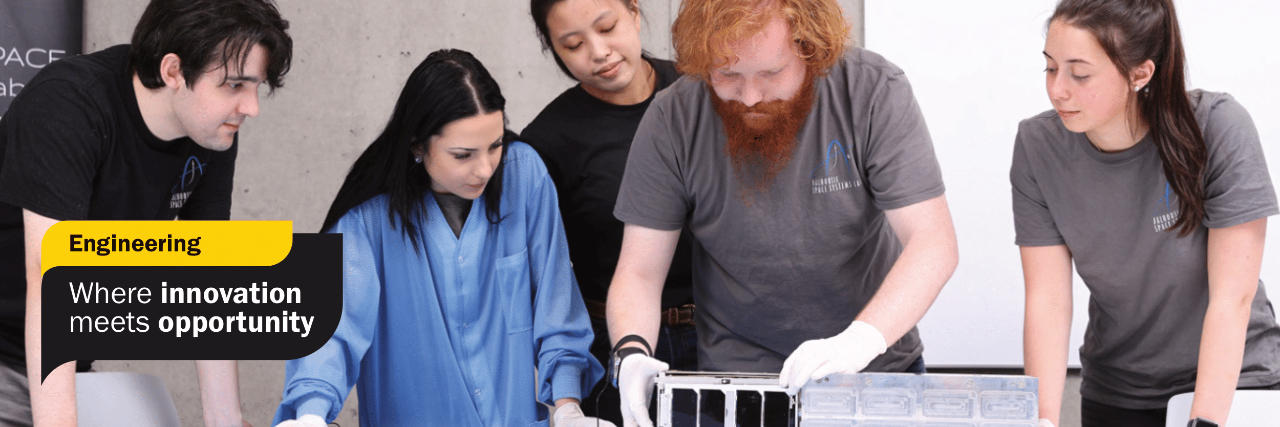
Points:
[(679, 315)]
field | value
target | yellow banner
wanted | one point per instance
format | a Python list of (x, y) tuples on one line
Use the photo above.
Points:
[(165, 243)]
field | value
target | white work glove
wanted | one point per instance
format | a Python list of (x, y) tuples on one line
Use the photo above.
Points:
[(570, 415), (309, 420), (1044, 422), (636, 377), (847, 352)]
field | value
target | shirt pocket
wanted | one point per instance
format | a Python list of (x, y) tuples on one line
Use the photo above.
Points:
[(511, 275)]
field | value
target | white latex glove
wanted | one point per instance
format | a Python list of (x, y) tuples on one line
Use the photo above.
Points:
[(309, 420), (847, 352), (570, 415), (636, 378), (1044, 422)]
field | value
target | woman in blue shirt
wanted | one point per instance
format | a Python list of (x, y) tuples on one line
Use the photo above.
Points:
[(456, 275)]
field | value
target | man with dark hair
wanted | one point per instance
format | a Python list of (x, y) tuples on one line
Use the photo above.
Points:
[(145, 131), (807, 178)]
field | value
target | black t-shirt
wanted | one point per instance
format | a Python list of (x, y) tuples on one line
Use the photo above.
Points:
[(73, 146), (584, 142)]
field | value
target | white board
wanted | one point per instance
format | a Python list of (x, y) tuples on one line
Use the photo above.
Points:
[(977, 69)]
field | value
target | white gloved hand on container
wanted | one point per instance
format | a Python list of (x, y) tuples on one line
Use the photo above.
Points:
[(309, 420), (636, 378), (847, 352), (570, 415)]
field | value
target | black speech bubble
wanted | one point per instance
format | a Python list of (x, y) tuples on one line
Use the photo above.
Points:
[(313, 266)]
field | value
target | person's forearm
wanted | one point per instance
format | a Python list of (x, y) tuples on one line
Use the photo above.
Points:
[(1046, 336), (1046, 333), (1234, 262), (633, 309), (925, 265), (634, 304), (1221, 353), (53, 402), (220, 393)]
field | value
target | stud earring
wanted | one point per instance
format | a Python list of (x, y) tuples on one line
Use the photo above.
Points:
[(417, 159)]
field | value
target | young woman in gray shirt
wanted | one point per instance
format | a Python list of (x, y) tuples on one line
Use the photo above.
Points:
[(1159, 196)]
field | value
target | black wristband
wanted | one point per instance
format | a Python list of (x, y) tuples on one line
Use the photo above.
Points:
[(619, 353), (648, 351)]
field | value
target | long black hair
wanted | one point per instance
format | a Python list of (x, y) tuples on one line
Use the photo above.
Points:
[(447, 86), (1131, 32)]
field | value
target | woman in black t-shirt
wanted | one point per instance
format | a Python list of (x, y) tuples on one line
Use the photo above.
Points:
[(584, 136)]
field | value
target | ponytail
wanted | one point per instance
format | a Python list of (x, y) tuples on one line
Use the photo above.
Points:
[(1174, 129)]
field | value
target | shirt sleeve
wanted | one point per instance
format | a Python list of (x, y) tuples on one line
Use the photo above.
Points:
[(561, 328), (319, 383), (1031, 218), (54, 140), (542, 142), (899, 162), (211, 200), (653, 192), (1238, 187)]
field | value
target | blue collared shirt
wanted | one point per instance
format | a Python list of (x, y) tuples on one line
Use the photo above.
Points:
[(452, 336)]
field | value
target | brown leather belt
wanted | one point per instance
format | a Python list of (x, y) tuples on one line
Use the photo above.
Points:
[(673, 316)]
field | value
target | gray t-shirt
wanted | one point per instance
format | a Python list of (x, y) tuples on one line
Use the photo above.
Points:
[(807, 256), (1149, 287)]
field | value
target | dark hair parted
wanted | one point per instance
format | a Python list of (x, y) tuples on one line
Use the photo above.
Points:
[(541, 9), (1131, 32), (447, 86), (208, 34)]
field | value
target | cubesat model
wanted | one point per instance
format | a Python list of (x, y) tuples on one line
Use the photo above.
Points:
[(705, 399)]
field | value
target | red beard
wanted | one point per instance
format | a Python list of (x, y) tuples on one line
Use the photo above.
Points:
[(762, 138)]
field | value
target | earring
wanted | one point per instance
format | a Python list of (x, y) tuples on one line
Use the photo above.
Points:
[(417, 159), (1137, 88)]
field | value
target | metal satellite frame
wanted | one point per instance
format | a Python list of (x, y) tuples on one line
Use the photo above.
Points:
[(847, 400)]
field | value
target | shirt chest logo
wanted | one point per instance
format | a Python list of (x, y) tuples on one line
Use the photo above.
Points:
[(1166, 211), (835, 173), (191, 173)]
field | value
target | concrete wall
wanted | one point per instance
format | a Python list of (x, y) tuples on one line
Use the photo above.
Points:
[(350, 60)]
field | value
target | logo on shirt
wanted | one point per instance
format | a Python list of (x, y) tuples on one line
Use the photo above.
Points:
[(1166, 210), (191, 173), (835, 173)]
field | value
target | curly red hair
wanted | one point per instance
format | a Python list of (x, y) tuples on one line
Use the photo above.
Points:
[(704, 29)]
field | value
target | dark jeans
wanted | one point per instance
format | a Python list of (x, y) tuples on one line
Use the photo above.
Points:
[(677, 345), (916, 367), (1095, 414)]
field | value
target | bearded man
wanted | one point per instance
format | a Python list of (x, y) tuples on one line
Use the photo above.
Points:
[(806, 175)]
